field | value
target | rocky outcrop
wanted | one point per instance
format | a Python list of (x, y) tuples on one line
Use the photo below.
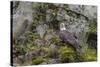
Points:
[(36, 27), (22, 17)]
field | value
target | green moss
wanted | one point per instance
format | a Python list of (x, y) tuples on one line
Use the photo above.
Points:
[(66, 49), (54, 39), (33, 48), (53, 53), (67, 55), (89, 55), (92, 26), (45, 48), (37, 61)]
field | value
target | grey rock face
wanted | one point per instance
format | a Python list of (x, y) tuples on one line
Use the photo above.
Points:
[(61, 15), (89, 11), (53, 61), (36, 26), (53, 46), (22, 18), (49, 15), (41, 29)]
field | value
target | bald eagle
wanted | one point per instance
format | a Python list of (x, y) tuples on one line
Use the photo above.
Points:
[(69, 38)]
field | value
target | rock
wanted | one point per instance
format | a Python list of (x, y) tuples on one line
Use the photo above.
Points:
[(52, 53), (30, 55), (38, 42), (92, 40), (41, 29), (49, 15), (89, 11), (34, 54), (62, 15), (53, 46), (48, 36), (21, 59), (53, 61), (39, 19), (23, 12), (67, 54), (43, 63)]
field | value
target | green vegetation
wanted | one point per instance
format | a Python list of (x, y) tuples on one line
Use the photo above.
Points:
[(43, 49), (37, 61), (89, 55), (53, 53), (67, 54), (93, 26)]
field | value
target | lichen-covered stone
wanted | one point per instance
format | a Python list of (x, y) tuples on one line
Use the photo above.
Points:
[(36, 29)]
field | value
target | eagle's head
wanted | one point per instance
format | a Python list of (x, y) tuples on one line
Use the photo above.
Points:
[(62, 26)]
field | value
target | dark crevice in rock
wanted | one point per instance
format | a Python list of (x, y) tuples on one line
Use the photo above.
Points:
[(92, 40)]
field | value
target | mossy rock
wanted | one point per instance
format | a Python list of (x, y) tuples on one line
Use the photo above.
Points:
[(67, 54), (89, 55), (33, 48), (37, 61), (92, 26), (52, 53), (54, 40), (45, 48)]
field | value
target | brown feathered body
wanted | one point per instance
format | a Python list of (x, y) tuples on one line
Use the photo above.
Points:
[(69, 38)]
